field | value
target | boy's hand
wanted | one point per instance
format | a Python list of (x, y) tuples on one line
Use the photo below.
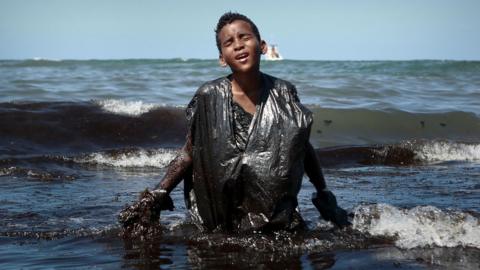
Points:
[(326, 203), (146, 211)]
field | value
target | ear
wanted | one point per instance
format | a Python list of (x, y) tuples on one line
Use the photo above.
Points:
[(263, 47), (221, 61)]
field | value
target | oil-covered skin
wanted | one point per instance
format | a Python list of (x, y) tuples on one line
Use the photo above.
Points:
[(142, 218)]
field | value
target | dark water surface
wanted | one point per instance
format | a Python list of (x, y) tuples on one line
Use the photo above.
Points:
[(399, 141)]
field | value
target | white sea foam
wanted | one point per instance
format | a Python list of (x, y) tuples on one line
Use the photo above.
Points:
[(7, 171), (138, 158), (132, 108), (46, 59), (448, 151), (420, 226), (77, 220)]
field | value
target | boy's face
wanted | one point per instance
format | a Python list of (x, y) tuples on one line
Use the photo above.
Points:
[(240, 47)]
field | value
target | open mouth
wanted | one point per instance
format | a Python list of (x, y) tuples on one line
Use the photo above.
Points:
[(241, 57)]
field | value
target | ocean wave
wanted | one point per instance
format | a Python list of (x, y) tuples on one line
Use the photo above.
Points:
[(95, 63), (403, 154), (410, 153), (35, 174), (363, 127), (396, 68), (45, 59), (433, 151), (36, 62), (341, 135), (39, 128), (131, 108), (129, 158), (407, 153), (438, 151), (119, 158), (51, 235), (421, 226)]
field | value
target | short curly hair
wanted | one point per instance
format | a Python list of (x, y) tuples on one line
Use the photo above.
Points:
[(228, 18)]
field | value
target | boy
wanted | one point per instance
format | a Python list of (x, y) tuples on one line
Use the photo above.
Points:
[(247, 148)]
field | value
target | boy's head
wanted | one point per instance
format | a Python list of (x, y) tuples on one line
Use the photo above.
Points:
[(239, 43), (228, 18)]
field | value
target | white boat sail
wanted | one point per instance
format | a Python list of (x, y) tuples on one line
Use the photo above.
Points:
[(273, 54)]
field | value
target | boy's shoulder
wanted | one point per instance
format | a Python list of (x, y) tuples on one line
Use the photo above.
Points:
[(278, 83), (284, 88), (213, 86), (223, 83)]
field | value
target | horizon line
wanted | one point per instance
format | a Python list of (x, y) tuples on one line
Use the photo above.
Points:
[(215, 59)]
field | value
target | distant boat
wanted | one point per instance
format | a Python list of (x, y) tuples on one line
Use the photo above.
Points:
[(272, 53)]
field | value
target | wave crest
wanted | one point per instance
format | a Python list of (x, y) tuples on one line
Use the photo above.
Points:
[(130, 108), (421, 226), (448, 151), (127, 158)]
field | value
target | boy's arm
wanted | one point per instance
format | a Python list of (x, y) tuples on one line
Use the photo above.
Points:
[(324, 200), (146, 211), (313, 169), (177, 167)]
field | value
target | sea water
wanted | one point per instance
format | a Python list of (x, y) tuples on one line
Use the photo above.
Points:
[(399, 142)]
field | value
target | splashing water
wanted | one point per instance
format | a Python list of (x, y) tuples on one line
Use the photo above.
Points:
[(421, 226)]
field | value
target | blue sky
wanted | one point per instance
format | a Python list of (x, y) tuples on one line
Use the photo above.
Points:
[(321, 30)]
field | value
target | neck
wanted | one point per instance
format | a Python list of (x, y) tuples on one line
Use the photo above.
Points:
[(247, 83)]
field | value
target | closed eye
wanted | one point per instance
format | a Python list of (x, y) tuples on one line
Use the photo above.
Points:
[(227, 42), (245, 36)]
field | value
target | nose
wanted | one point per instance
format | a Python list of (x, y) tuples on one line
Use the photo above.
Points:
[(238, 44)]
